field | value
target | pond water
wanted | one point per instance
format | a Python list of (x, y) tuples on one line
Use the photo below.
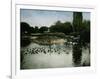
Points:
[(57, 55)]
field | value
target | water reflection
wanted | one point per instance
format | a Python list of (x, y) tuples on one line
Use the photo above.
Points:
[(55, 55), (77, 54)]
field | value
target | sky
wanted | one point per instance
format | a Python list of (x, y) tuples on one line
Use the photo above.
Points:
[(47, 17)]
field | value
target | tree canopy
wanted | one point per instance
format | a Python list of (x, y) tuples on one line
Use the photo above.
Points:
[(61, 27)]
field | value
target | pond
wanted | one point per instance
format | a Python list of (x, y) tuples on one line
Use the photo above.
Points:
[(55, 55)]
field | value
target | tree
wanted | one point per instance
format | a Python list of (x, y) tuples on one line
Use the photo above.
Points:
[(43, 29), (77, 21), (67, 26), (85, 33), (61, 27), (32, 30), (24, 28), (56, 27), (58, 23), (36, 29)]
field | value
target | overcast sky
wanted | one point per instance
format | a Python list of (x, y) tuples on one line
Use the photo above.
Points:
[(47, 18)]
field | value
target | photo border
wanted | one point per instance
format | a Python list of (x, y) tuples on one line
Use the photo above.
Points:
[(38, 73)]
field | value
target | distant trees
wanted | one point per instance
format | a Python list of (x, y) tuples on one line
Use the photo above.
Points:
[(25, 28), (43, 29), (61, 27)]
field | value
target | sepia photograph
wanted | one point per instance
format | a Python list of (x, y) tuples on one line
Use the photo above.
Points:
[(54, 39)]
